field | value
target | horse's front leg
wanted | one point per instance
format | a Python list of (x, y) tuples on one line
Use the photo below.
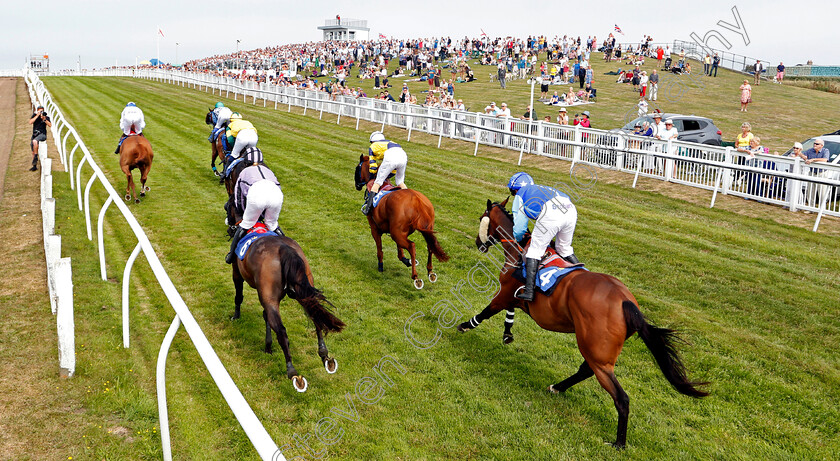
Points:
[(377, 237), (238, 282), (489, 311)]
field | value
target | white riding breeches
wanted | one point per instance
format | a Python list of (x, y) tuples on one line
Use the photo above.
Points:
[(263, 197), (132, 119), (395, 158), (245, 139), (223, 117), (557, 221)]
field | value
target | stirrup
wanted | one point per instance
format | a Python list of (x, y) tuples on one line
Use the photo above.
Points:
[(516, 294)]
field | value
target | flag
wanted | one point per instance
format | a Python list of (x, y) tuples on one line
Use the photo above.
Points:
[(338, 18), (618, 29), (483, 34), (161, 33), (382, 36)]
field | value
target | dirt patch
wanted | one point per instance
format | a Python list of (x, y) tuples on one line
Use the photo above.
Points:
[(7, 125)]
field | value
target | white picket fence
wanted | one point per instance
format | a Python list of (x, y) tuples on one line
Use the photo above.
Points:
[(783, 181), (61, 132)]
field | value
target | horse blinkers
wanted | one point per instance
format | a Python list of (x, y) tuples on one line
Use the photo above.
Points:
[(359, 183)]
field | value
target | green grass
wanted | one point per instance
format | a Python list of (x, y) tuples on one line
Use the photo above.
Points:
[(779, 114), (756, 299)]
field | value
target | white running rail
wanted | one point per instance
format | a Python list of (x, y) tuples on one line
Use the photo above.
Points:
[(62, 130)]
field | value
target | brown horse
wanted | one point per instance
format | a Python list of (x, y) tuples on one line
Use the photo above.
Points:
[(400, 213), (136, 152), (218, 152), (275, 266), (597, 308)]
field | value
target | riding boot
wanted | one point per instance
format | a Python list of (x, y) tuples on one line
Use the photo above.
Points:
[(119, 144), (571, 259), (527, 293), (237, 236), (368, 202)]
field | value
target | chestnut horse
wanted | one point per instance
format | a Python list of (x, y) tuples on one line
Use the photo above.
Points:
[(400, 213), (217, 150), (136, 152), (597, 308), (276, 267)]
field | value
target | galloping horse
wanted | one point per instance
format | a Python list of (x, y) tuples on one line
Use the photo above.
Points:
[(216, 145), (136, 152), (275, 266), (597, 308), (400, 213)]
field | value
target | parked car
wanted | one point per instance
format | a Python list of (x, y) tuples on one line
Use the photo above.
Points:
[(691, 128)]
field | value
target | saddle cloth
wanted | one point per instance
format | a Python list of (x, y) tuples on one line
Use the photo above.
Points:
[(553, 268), (256, 232)]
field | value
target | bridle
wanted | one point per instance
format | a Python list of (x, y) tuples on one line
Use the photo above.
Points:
[(492, 240)]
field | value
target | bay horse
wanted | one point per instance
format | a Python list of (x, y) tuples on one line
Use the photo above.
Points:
[(217, 150), (400, 213), (136, 152), (276, 267), (597, 308)]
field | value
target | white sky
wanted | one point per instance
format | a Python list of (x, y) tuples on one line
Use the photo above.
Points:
[(105, 33)]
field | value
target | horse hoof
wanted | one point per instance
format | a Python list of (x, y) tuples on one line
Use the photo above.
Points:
[(418, 283), (331, 365), (381, 267), (127, 197), (464, 327), (147, 188), (137, 200), (142, 194), (300, 384), (507, 339), (215, 172), (432, 277), (552, 390)]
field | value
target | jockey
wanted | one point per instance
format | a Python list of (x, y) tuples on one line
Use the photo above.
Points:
[(388, 156), (244, 133), (131, 122), (222, 115), (213, 118), (258, 191), (555, 217)]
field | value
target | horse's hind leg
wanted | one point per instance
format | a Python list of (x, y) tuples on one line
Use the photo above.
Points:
[(276, 324), (143, 176), (129, 189), (583, 373), (402, 258), (330, 364), (606, 377), (268, 340)]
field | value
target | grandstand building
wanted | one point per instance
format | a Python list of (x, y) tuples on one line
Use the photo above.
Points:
[(345, 29)]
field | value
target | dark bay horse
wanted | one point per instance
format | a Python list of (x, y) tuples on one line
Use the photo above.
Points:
[(597, 308), (276, 267), (400, 213), (217, 150), (136, 152)]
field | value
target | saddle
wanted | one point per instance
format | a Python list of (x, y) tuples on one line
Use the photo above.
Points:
[(550, 258), (258, 231)]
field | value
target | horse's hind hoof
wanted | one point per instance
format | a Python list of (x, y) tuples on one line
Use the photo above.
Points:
[(137, 200), (381, 267), (507, 339), (418, 283), (432, 277), (127, 197), (331, 365), (300, 384), (142, 194), (147, 188)]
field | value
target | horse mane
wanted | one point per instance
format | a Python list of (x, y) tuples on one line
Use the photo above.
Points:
[(504, 210)]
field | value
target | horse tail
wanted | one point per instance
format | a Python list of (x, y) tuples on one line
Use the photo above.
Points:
[(660, 342), (434, 245), (310, 298)]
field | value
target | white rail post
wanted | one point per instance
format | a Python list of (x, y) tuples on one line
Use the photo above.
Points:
[(101, 237), (727, 177), (125, 286), (163, 412), (64, 318), (669, 163), (795, 184)]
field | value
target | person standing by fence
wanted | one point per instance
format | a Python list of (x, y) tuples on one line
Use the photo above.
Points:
[(746, 95), (758, 68), (40, 122)]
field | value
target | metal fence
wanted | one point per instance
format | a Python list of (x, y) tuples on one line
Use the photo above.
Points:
[(783, 181), (62, 131)]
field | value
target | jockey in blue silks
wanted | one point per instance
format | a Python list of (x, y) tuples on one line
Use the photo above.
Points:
[(555, 217)]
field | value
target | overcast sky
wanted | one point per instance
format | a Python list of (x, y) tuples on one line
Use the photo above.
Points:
[(104, 33)]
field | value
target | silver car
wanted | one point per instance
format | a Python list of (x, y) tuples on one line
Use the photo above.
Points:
[(691, 128)]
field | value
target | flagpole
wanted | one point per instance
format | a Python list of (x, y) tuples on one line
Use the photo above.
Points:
[(158, 45)]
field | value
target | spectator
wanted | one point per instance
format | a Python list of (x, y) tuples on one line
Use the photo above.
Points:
[(758, 68), (491, 109), (544, 81), (746, 95), (797, 150), (653, 83), (742, 142), (715, 64), (501, 73), (780, 72), (562, 117), (643, 106), (659, 54), (503, 112), (643, 80), (584, 119), (40, 122), (707, 64), (529, 114), (817, 154), (555, 99)]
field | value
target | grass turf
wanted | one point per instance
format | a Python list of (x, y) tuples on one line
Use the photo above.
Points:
[(756, 299)]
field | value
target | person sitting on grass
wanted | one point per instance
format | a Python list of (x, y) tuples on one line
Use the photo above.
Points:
[(555, 99)]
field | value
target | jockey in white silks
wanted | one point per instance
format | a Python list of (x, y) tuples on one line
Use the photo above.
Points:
[(131, 122)]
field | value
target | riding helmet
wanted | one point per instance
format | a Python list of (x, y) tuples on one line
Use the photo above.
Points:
[(377, 136), (220, 104), (235, 116), (519, 180), (131, 104)]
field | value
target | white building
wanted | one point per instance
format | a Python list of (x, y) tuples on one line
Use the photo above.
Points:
[(345, 29)]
